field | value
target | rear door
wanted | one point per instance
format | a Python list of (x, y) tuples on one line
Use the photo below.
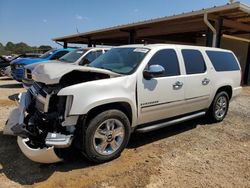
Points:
[(160, 97), (197, 80)]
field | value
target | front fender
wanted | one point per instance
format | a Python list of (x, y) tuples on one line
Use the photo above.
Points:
[(89, 95)]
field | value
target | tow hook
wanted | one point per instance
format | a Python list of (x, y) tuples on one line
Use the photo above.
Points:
[(58, 140)]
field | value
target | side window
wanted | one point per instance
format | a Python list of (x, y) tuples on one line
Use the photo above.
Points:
[(223, 61), (194, 62), (98, 53), (91, 56), (168, 60), (58, 55)]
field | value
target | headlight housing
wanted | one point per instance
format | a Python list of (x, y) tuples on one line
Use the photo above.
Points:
[(19, 66), (69, 102)]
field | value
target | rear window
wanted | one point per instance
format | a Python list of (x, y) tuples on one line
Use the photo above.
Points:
[(223, 61)]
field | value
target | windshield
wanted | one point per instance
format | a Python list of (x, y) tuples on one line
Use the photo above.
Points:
[(47, 54), (121, 60), (73, 56)]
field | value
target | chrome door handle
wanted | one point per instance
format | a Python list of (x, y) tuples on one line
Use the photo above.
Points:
[(177, 85), (205, 81)]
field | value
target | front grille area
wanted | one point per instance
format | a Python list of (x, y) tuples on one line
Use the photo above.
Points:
[(28, 74)]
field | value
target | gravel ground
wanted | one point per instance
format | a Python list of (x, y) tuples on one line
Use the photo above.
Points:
[(191, 154)]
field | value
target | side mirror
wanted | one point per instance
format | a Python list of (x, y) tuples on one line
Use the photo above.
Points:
[(154, 70)]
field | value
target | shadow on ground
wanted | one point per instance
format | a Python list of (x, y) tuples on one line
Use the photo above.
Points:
[(25, 172), (140, 139), (21, 170), (6, 78), (14, 85)]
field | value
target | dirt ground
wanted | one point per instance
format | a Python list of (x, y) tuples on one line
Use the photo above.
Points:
[(191, 154)]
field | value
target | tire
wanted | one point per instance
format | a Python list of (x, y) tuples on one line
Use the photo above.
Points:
[(106, 136), (219, 107)]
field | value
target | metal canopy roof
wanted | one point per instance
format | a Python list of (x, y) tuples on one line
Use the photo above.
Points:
[(184, 27)]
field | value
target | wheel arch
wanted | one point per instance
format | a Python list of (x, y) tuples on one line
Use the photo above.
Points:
[(125, 107), (227, 88)]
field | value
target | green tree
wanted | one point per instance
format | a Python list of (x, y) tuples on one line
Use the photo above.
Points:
[(10, 46), (45, 47), (21, 48)]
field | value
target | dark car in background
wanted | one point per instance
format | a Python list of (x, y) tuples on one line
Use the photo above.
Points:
[(3, 64)]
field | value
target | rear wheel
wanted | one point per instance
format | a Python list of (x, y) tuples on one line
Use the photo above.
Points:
[(218, 109), (106, 136)]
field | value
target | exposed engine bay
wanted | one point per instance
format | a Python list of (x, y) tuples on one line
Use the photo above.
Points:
[(42, 121)]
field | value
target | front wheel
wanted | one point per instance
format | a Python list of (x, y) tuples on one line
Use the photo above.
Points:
[(218, 109), (106, 136)]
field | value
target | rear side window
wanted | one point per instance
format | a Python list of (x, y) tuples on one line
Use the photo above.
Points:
[(58, 55), (168, 60), (194, 61), (223, 61)]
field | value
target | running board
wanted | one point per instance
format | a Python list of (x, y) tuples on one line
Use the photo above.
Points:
[(168, 123)]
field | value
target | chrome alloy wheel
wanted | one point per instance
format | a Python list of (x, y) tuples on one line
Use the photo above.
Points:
[(109, 136), (221, 107)]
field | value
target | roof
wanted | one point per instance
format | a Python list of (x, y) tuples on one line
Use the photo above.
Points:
[(179, 46), (236, 17)]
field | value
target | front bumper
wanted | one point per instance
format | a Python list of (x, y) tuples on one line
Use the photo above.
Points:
[(44, 155), (16, 126), (17, 115)]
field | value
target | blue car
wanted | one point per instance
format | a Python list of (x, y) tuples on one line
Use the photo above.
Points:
[(17, 66)]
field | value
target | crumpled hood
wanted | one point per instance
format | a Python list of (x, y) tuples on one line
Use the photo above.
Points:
[(26, 61), (51, 73), (31, 67)]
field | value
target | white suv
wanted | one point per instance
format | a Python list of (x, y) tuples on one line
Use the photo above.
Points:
[(129, 88)]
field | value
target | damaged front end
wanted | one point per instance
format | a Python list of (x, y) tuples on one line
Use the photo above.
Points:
[(41, 123)]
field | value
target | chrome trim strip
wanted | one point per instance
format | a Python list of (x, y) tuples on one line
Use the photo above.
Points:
[(203, 97), (160, 104), (187, 100)]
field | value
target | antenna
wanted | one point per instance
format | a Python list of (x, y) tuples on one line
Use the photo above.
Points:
[(77, 29)]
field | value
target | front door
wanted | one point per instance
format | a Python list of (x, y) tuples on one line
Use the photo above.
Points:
[(162, 96)]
